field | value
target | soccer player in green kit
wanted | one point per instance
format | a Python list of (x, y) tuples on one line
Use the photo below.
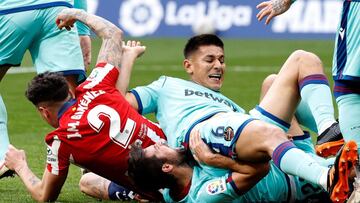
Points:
[(30, 25), (345, 69)]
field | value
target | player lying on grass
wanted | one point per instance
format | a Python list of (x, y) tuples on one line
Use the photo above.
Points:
[(95, 129), (198, 104), (182, 106), (185, 183), (164, 167)]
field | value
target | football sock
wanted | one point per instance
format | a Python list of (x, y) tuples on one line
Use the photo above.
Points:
[(294, 161), (305, 143), (305, 117), (349, 116), (4, 139), (118, 192), (315, 91)]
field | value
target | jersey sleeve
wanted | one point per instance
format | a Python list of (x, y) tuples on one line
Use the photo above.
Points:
[(81, 27), (218, 189), (58, 157), (147, 96)]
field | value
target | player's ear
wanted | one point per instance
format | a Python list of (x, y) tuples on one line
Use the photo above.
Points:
[(188, 66), (167, 168), (44, 112)]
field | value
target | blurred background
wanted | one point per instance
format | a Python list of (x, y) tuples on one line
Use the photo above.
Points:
[(306, 19)]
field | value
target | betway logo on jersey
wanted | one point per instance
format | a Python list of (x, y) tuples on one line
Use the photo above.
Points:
[(207, 95)]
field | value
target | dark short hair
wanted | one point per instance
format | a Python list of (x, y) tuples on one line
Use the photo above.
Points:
[(195, 42), (47, 87), (146, 172)]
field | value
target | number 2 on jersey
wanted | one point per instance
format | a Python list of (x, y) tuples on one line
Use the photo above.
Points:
[(121, 138)]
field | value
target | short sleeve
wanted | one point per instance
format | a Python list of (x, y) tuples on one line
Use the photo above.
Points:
[(147, 96)]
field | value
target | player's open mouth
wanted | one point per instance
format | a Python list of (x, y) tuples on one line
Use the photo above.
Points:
[(215, 76)]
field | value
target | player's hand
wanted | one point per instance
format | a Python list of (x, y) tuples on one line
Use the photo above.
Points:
[(15, 159), (133, 49), (66, 18), (200, 150), (271, 9)]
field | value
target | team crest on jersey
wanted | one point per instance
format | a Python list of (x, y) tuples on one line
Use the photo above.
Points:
[(216, 187), (93, 74), (228, 133), (48, 150), (51, 157)]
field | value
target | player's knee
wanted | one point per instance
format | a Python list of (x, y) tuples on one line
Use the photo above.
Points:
[(84, 183), (304, 57), (273, 136), (268, 81)]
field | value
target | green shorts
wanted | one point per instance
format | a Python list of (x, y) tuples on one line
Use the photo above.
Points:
[(51, 49)]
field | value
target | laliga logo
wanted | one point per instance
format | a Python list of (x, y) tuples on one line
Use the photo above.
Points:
[(139, 17)]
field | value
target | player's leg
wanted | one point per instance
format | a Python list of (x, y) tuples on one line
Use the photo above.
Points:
[(346, 70), (349, 116), (15, 39), (45, 50), (249, 140), (104, 189), (259, 139), (94, 186), (284, 153), (346, 73), (4, 138), (303, 112), (303, 139), (302, 74)]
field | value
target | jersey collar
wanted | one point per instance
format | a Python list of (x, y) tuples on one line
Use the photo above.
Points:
[(65, 107)]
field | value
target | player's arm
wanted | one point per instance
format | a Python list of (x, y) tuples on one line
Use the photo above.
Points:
[(46, 189), (84, 34), (203, 154), (272, 9), (111, 48), (243, 176), (131, 51)]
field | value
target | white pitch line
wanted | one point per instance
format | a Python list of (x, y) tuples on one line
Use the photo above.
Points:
[(19, 70)]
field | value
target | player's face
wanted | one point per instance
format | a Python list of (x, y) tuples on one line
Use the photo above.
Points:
[(48, 115), (161, 151), (206, 66)]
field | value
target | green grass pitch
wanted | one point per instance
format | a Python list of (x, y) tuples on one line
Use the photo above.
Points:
[(248, 61)]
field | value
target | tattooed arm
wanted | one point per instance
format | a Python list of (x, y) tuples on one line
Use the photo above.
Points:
[(272, 8), (111, 49), (47, 189)]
